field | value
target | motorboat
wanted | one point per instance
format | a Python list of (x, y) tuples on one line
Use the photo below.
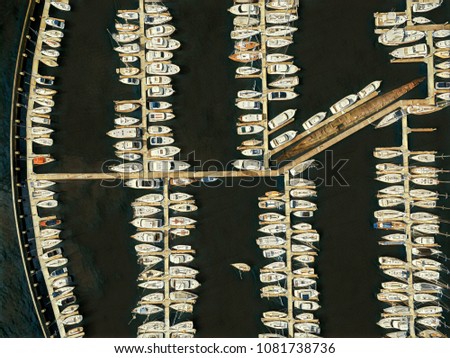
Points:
[(426, 181), (56, 23), (41, 184), (389, 167), (40, 194), (157, 19), (271, 216), (57, 262), (278, 42), (253, 117), (167, 165), (128, 145), (388, 214), (162, 44), (182, 271), (391, 261), (285, 82), (128, 59), (51, 42), (443, 65), (164, 152), (283, 139), (425, 157), (282, 69), (159, 31), (273, 228), (390, 19), (153, 55), (441, 33), (154, 116), (249, 129), (271, 204), (281, 95), (154, 8), (271, 241), (181, 181), (53, 34), (60, 5), (416, 51), (143, 249), (47, 204), (50, 243), (245, 45), (369, 89), (42, 91), (158, 68), (251, 142), (282, 118), (244, 9), (131, 167), (273, 253), (41, 131), (280, 17), (247, 164), (280, 30), (443, 74), (443, 53), (391, 118), (398, 36), (301, 182), (390, 178), (179, 196), (43, 101), (281, 4), (314, 120), (390, 202), (303, 214), (343, 104), (147, 309), (180, 258), (157, 80), (155, 130), (160, 91), (49, 233), (72, 320), (392, 297), (386, 153), (298, 204), (307, 237), (249, 105), (48, 142), (306, 305), (302, 193)]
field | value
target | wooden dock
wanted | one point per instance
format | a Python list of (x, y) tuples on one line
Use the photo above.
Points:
[(29, 145), (264, 99)]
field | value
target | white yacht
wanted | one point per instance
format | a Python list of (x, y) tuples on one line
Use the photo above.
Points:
[(159, 68), (278, 42), (167, 165), (344, 103), (280, 17), (156, 19), (398, 36), (127, 168), (282, 69), (162, 44), (244, 9), (281, 95), (160, 30), (280, 30), (416, 51), (426, 6), (125, 132), (283, 139), (244, 33), (282, 118), (249, 129), (391, 118), (285, 82), (390, 19), (314, 120), (369, 89)]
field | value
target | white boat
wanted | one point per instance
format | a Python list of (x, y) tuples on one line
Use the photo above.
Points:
[(314, 120), (131, 167), (253, 117), (273, 228), (344, 103), (181, 284), (160, 30), (49, 243), (160, 91), (48, 142), (183, 296), (281, 95), (144, 210), (398, 36), (281, 4), (167, 165), (157, 80), (57, 262), (128, 145), (162, 44), (247, 164), (147, 309), (441, 33), (241, 34), (148, 236), (390, 202), (285, 82), (159, 68), (280, 30), (280, 17), (278, 57), (390, 19), (156, 19), (249, 105), (273, 253), (388, 214), (41, 184), (302, 193), (125, 132), (57, 23), (151, 198), (273, 290), (72, 320), (302, 205), (271, 216), (245, 21), (146, 223), (160, 116), (126, 107), (391, 118), (282, 69), (282, 139), (159, 140), (184, 208), (426, 6), (426, 228), (426, 181), (244, 9), (179, 196), (125, 37), (128, 48), (41, 130), (369, 89), (43, 101), (278, 42), (390, 178), (443, 74), (47, 204), (60, 5), (247, 70), (386, 153), (151, 56), (248, 94), (47, 233), (159, 130), (164, 152), (307, 237), (181, 221), (443, 44), (271, 241), (282, 118), (42, 110), (182, 271), (416, 51), (249, 129)]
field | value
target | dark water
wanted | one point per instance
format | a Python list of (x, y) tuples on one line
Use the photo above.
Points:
[(338, 53)]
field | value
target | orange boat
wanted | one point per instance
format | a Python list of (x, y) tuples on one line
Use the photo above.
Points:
[(245, 45), (245, 57), (42, 160)]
